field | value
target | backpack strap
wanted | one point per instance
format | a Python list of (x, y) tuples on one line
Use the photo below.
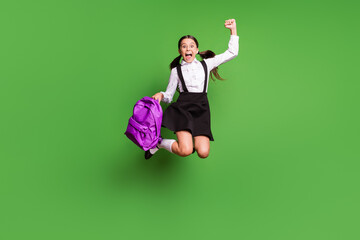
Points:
[(181, 78), (206, 73)]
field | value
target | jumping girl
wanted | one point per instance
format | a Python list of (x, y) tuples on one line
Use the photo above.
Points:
[(189, 116)]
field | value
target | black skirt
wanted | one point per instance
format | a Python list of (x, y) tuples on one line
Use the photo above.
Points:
[(190, 113)]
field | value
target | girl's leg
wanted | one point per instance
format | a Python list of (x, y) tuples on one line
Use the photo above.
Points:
[(202, 146), (184, 145), (164, 143)]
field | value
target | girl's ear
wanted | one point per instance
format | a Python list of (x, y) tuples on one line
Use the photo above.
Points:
[(179, 51)]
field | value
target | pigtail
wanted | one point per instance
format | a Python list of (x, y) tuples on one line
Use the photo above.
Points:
[(214, 72), (207, 54), (175, 62)]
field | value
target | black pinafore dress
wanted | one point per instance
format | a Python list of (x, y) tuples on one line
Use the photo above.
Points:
[(191, 111)]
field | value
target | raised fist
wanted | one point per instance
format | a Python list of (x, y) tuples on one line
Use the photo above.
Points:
[(230, 24)]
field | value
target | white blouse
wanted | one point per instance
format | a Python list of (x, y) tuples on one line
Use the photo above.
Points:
[(193, 72)]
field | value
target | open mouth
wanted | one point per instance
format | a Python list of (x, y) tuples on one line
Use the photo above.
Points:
[(188, 55)]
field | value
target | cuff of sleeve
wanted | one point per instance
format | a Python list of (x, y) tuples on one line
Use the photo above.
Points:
[(164, 98), (234, 37)]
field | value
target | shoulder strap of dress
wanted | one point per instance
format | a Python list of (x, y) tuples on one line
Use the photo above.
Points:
[(206, 73), (181, 78)]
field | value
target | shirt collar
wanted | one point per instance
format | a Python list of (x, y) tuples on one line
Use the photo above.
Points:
[(185, 63)]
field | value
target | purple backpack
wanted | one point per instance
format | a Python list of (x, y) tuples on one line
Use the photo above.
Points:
[(145, 123)]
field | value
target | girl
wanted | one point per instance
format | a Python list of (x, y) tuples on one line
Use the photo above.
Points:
[(189, 116)]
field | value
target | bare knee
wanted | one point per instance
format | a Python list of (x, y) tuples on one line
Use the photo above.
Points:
[(203, 152), (185, 150), (202, 146)]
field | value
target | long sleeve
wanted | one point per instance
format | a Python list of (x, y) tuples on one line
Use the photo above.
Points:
[(230, 53), (171, 88), (194, 74)]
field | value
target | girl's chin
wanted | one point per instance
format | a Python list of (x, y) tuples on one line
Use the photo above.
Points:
[(188, 59)]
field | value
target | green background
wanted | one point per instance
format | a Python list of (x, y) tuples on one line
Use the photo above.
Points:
[(285, 161)]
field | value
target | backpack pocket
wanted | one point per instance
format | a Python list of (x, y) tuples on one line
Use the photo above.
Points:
[(139, 134)]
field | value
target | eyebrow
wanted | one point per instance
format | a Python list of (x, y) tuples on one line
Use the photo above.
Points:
[(189, 44)]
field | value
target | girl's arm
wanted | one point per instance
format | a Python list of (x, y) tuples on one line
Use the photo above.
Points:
[(231, 52), (170, 90)]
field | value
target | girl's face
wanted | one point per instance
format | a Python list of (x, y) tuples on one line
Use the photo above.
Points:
[(188, 49)]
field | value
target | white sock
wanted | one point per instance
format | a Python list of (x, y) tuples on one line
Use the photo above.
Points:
[(154, 150), (166, 144)]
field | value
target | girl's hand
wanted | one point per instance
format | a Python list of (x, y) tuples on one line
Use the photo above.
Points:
[(158, 96), (231, 24)]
